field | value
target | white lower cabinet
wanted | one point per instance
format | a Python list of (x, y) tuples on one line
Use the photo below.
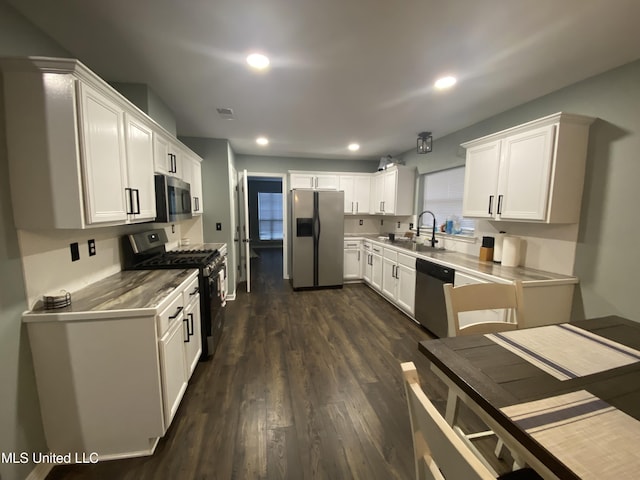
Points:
[(399, 279), (111, 381), (191, 328), (352, 260), (376, 267), (173, 369)]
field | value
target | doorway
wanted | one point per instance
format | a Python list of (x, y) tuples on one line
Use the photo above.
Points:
[(265, 223)]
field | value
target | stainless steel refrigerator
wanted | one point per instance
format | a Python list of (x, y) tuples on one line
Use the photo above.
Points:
[(317, 238)]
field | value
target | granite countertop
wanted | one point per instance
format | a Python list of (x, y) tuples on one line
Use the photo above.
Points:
[(140, 292), (474, 266)]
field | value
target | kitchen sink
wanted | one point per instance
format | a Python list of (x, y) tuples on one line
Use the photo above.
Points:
[(416, 247)]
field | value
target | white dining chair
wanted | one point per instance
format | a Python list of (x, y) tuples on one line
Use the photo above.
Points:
[(439, 453), (481, 297)]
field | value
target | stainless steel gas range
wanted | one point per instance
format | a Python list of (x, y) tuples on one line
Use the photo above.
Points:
[(147, 251)]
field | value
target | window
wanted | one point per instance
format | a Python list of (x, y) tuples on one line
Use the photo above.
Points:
[(442, 195), (270, 216)]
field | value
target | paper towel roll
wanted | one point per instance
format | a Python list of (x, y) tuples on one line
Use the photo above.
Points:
[(511, 251), (497, 247)]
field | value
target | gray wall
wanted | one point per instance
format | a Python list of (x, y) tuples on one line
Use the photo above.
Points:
[(607, 253), (146, 100), (215, 186), (20, 423)]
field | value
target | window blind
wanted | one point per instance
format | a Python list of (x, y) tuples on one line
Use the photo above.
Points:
[(270, 216)]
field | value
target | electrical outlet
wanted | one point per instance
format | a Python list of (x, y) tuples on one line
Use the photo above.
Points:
[(361, 222), (75, 251), (398, 224), (92, 247), (381, 222), (411, 226), (218, 226)]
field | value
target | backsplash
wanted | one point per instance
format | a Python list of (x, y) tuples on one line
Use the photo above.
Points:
[(46, 256), (544, 247)]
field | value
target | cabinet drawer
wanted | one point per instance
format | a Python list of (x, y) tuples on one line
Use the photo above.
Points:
[(390, 254), (191, 292), (170, 314), (406, 260), (351, 245), (376, 249)]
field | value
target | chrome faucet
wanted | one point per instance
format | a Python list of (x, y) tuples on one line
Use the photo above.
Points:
[(433, 230)]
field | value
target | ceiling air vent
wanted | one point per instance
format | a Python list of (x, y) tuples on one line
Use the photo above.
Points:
[(225, 113)]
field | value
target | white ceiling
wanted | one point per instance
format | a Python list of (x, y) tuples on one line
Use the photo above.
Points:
[(341, 70)]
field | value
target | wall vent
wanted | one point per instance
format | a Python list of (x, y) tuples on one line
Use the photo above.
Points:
[(225, 113)]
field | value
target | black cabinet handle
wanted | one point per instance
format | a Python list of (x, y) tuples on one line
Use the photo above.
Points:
[(190, 321), (137, 212), (499, 204), (490, 204), (188, 335), (195, 291), (129, 193), (175, 315)]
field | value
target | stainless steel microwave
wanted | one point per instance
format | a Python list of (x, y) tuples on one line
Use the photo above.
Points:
[(173, 199)]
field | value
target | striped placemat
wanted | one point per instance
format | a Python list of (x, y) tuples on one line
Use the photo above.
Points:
[(592, 438), (566, 351)]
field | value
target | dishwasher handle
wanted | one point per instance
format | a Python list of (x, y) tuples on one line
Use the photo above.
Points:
[(442, 273)]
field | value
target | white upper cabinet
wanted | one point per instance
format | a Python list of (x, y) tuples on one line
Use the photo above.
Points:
[(533, 172), (141, 187), (80, 154), (357, 193), (392, 191), (313, 180), (166, 156), (192, 174), (103, 157)]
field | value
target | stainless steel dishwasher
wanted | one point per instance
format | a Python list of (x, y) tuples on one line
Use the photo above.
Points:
[(431, 310)]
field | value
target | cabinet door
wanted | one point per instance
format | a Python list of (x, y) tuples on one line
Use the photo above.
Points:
[(377, 193), (481, 180), (389, 278), (406, 288), (327, 182), (103, 157), (301, 180), (352, 264), (347, 185), (191, 335), (172, 370), (376, 271), (390, 181), (366, 262), (165, 160), (525, 175), (361, 193), (141, 187), (196, 185)]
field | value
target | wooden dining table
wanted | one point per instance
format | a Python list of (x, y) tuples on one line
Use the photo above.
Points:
[(564, 398)]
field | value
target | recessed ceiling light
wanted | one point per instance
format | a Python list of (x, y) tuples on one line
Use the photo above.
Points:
[(262, 141), (258, 61), (354, 147), (445, 82)]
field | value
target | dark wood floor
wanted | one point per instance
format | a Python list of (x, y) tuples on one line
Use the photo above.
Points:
[(305, 385)]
